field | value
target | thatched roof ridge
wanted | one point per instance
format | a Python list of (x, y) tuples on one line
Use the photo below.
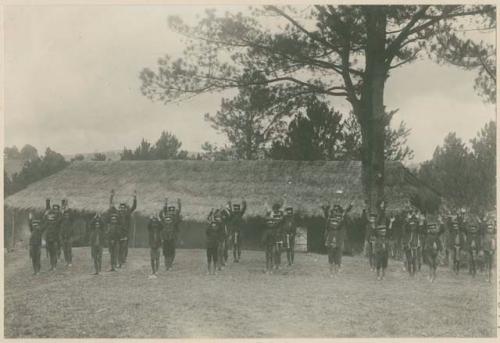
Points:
[(205, 184)]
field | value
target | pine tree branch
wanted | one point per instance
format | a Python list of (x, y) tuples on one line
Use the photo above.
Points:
[(318, 39), (395, 45), (301, 28), (407, 60), (487, 69)]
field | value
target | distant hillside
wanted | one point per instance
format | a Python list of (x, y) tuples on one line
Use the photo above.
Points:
[(12, 166), (112, 155)]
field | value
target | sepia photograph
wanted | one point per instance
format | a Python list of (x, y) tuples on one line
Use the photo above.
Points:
[(225, 171)]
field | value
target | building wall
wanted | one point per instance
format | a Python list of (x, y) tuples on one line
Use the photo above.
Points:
[(192, 233), (17, 232)]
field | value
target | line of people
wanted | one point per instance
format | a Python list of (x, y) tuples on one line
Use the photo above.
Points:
[(279, 235), (424, 238), (56, 224), (224, 230), (421, 237)]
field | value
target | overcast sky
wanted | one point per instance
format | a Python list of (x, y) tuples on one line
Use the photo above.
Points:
[(71, 83)]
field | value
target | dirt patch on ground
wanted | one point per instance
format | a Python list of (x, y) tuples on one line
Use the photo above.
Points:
[(241, 301)]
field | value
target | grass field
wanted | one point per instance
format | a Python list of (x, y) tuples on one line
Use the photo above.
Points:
[(241, 301)]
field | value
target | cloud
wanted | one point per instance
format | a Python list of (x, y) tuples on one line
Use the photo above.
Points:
[(434, 100), (71, 83)]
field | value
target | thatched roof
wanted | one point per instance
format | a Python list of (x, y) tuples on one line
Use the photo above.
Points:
[(205, 184)]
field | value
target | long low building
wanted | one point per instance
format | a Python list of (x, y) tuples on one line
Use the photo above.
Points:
[(203, 185)]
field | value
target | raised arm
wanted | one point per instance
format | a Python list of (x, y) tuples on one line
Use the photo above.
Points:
[(349, 208), (243, 206), (134, 202), (226, 213), (111, 197), (209, 217), (162, 213), (179, 206), (30, 221), (326, 210), (382, 206), (267, 208), (65, 209), (47, 204)]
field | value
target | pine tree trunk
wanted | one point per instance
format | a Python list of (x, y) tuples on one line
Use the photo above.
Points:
[(371, 110)]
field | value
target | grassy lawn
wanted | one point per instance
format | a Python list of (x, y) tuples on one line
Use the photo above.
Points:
[(241, 301)]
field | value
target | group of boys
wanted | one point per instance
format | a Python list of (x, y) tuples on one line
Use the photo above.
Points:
[(163, 230), (419, 237), (376, 239), (422, 239), (474, 235), (223, 231), (279, 235), (56, 222), (113, 227)]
